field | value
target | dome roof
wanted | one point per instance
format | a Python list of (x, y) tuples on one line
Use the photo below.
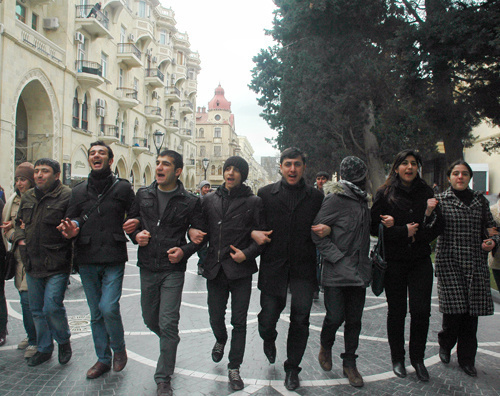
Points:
[(219, 101)]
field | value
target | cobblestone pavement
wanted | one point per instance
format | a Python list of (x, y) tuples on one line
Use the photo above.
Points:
[(196, 374)]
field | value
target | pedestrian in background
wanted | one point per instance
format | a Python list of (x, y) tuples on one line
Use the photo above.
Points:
[(3, 302), (205, 188), (494, 256)]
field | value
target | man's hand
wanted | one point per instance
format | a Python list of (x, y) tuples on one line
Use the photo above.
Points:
[(196, 236), (412, 229), (175, 255), (68, 228), (238, 255), (387, 221), (7, 226), (321, 230), (22, 242), (261, 237), (492, 231), (488, 245), (142, 238), (130, 225), (431, 205)]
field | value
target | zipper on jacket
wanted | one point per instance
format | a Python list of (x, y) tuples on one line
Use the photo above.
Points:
[(220, 239)]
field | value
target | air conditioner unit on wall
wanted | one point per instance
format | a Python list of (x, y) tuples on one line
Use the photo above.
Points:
[(156, 95), (101, 103), (100, 112), (79, 38), (50, 23), (155, 59), (131, 38)]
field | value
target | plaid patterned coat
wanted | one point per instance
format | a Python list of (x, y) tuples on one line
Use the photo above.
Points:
[(461, 264)]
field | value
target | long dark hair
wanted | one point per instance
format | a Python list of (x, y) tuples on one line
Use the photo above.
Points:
[(393, 181)]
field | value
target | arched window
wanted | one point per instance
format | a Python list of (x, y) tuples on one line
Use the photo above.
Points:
[(212, 171), (123, 129), (85, 121), (201, 133), (172, 112), (76, 111), (219, 170), (136, 128)]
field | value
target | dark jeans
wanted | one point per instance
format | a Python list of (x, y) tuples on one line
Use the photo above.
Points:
[(300, 309), (218, 294), (3, 306), (408, 281), (161, 295), (343, 304), (461, 329), (496, 276), (29, 324)]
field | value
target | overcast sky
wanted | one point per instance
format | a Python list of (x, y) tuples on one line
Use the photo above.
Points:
[(227, 34)]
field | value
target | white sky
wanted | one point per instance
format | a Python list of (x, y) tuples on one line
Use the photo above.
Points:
[(227, 34)]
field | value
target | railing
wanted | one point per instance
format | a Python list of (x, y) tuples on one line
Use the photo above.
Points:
[(171, 123), (84, 66), (109, 130), (153, 110), (41, 44), (185, 131), (155, 72), (129, 48), (165, 12), (88, 11), (140, 142), (129, 93), (172, 91), (187, 103)]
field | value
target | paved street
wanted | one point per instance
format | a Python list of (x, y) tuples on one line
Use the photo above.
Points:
[(196, 374)]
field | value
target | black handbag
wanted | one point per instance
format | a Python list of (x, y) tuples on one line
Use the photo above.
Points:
[(379, 265), (10, 265)]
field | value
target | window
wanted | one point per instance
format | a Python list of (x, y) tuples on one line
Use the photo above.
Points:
[(142, 9), (76, 111), (81, 51), (136, 128), (104, 62), (34, 21), (20, 13), (202, 151), (180, 58), (120, 78), (85, 123), (136, 85), (217, 151), (201, 133), (212, 170), (219, 170), (217, 132), (163, 37), (123, 34)]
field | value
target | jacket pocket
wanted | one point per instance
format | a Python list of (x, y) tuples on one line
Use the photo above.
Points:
[(84, 240), (58, 256), (55, 213), (27, 212)]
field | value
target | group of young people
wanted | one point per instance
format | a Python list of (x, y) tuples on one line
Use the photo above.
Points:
[(285, 223)]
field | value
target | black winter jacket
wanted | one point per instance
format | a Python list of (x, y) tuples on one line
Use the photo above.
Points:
[(182, 212), (243, 215), (410, 209), (101, 239)]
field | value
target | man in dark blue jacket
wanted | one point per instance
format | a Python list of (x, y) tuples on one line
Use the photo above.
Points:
[(166, 210)]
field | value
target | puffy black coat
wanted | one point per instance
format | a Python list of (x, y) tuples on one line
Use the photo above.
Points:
[(234, 227), (183, 211), (101, 239), (291, 252)]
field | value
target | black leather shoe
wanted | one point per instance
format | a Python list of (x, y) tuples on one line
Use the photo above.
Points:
[(469, 369), (64, 353), (270, 351), (421, 371), (444, 355), (399, 369), (218, 352), (292, 380), (39, 358)]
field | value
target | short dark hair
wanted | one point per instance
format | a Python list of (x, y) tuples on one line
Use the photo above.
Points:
[(323, 173), (178, 162), (50, 162), (459, 162), (101, 143), (292, 152)]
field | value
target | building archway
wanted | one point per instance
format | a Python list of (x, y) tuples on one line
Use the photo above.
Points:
[(148, 175), (121, 169), (135, 177)]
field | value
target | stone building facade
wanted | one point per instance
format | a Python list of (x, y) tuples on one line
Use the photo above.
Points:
[(71, 74)]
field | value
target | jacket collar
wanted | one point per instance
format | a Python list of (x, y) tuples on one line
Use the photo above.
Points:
[(277, 186), (152, 189), (449, 195)]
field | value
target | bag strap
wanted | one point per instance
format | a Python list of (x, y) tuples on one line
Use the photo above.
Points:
[(381, 240), (101, 197)]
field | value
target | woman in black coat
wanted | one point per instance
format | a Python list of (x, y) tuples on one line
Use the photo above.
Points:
[(403, 204)]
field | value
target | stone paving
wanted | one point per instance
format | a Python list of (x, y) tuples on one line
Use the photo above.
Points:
[(196, 374)]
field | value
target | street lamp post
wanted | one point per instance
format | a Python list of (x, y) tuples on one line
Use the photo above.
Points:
[(159, 136), (205, 162)]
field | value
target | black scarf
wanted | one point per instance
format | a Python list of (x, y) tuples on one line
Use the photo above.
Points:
[(100, 179), (39, 194), (293, 194)]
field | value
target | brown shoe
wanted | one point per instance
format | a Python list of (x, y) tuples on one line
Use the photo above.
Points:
[(164, 389), (325, 359), (97, 370), (119, 360), (354, 377)]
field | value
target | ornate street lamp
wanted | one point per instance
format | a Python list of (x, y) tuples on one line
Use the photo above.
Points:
[(205, 162), (159, 136)]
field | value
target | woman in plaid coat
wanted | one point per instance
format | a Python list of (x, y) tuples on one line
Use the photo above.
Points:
[(461, 266)]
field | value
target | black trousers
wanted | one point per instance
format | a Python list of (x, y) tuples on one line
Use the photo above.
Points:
[(218, 294), (460, 329), (408, 281), (300, 309), (343, 304)]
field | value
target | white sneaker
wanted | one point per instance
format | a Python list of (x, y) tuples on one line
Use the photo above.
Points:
[(30, 351), (23, 344)]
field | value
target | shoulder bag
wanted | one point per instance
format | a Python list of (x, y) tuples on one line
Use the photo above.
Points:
[(379, 265)]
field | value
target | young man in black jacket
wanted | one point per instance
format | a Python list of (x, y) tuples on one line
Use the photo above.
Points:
[(231, 213), (167, 210), (95, 216)]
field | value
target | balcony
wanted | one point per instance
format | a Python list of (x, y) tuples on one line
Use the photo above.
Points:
[(129, 54), (30, 39), (185, 134), (109, 133), (127, 97), (172, 94), (140, 145), (153, 114), (41, 2), (186, 107), (89, 74), (189, 162), (94, 22), (171, 125), (181, 40), (154, 78), (165, 16)]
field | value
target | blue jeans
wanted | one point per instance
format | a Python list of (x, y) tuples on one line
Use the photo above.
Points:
[(161, 295), (46, 296), (29, 324), (103, 287)]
